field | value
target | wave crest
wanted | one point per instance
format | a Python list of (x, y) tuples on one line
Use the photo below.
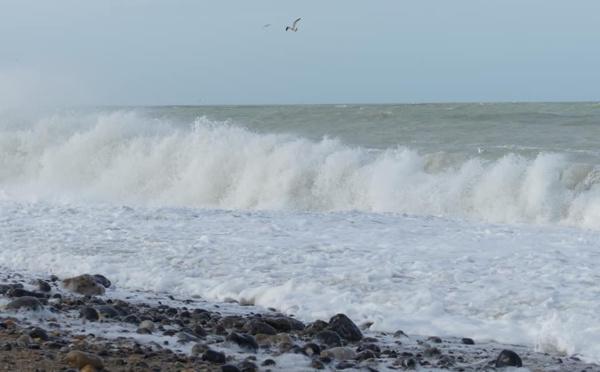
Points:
[(124, 157)]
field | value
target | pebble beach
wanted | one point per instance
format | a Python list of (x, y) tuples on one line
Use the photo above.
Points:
[(84, 323)]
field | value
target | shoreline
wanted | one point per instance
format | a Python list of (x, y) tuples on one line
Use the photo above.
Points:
[(148, 331)]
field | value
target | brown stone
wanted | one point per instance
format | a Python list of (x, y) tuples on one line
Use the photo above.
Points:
[(84, 284), (80, 359)]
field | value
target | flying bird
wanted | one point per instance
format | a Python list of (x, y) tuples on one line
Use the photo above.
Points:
[(294, 26)]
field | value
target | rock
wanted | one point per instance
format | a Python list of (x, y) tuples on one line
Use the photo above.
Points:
[(365, 355), (432, 352), (199, 331), (19, 292), (255, 327), (339, 353), (213, 356), (24, 341), (199, 348), (229, 368), (371, 347), (329, 338), (107, 311), (345, 365), (80, 359), (220, 330), (270, 340), (508, 358), (132, 319), (43, 285), (84, 284), (268, 362), (89, 313), (102, 280), (345, 327), (244, 341), (25, 303), (281, 324), (38, 333), (317, 364), (232, 321), (434, 339), (284, 324), (407, 363), (248, 366), (445, 361), (468, 341), (315, 327), (311, 349), (146, 325), (399, 334), (4, 288)]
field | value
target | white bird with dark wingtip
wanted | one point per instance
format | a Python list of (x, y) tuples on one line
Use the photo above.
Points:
[(294, 26)]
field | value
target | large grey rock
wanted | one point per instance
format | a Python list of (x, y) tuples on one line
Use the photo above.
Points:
[(345, 327)]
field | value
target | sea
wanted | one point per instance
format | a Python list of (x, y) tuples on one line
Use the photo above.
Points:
[(469, 220)]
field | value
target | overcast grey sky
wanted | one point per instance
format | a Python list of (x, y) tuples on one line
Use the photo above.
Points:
[(217, 52)]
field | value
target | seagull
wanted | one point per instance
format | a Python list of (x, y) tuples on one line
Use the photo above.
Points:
[(294, 26)]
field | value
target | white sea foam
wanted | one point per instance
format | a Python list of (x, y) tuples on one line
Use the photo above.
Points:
[(298, 231), (524, 284), (124, 157)]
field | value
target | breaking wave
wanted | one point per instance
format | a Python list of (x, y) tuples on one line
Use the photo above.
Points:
[(125, 157)]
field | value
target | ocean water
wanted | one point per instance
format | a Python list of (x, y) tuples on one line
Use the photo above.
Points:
[(475, 220)]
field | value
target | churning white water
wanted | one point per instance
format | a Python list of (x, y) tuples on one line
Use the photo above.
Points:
[(426, 234), (127, 158)]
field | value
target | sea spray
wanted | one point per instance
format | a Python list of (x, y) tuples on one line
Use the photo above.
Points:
[(125, 157)]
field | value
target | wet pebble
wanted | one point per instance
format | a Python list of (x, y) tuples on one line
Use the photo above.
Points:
[(468, 341), (339, 353), (43, 285), (24, 303), (80, 359), (508, 358), (317, 364), (311, 349), (432, 352), (255, 327), (434, 339), (268, 362), (329, 338), (19, 292), (107, 311), (244, 341), (213, 356), (39, 333), (84, 284), (102, 280), (89, 313), (230, 368)]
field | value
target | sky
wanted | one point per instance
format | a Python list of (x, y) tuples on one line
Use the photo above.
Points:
[(142, 52)]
